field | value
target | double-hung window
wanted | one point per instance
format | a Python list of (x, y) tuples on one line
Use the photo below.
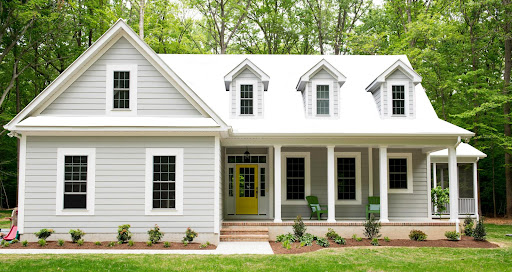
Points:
[(121, 90), (295, 185), (75, 182), (246, 99), (322, 99), (400, 173), (164, 181), (348, 177), (398, 99)]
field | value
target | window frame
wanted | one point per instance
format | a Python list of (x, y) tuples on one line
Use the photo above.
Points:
[(109, 106), (238, 96), (314, 85), (307, 177), (91, 180), (407, 103), (357, 157), (150, 153), (410, 180)]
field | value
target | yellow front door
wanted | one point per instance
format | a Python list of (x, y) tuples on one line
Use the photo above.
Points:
[(247, 189)]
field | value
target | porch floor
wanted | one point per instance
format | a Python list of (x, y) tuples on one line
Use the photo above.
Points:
[(339, 222)]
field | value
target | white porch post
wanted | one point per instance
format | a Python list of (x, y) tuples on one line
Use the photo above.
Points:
[(277, 184), (330, 185), (475, 187), (383, 183), (454, 187), (434, 166), (429, 188)]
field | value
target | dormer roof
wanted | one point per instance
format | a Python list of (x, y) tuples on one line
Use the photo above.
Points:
[(398, 65), (323, 64), (246, 64)]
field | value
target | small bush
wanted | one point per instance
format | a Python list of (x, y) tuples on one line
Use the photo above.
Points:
[(44, 233), (149, 243), (111, 244), (288, 236), (76, 235), (97, 243), (479, 232), (354, 236), (120, 242), (80, 242), (123, 233), (417, 235), (299, 228), (372, 228), (286, 244), (386, 239), (468, 226), (60, 242), (359, 239), (185, 242), (5, 243), (24, 243), (323, 242), (452, 235), (189, 235), (14, 241), (340, 241), (375, 242), (205, 245), (131, 243), (331, 234), (42, 242), (307, 239), (167, 244), (155, 235)]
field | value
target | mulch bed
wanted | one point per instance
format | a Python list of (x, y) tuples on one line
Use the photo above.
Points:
[(104, 245), (465, 242)]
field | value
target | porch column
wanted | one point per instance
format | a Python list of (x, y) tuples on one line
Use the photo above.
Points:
[(454, 186), (434, 166), (277, 184), (331, 218), (383, 183), (429, 187), (475, 187)]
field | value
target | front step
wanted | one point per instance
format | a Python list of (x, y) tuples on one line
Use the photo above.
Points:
[(244, 234)]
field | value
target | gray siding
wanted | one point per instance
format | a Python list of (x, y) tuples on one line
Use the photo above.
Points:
[(120, 181), (322, 75), (396, 75), (87, 95), (247, 74), (377, 97)]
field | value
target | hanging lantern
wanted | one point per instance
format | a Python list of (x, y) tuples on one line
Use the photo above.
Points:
[(247, 156)]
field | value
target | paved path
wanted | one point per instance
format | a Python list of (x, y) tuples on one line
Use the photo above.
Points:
[(224, 248)]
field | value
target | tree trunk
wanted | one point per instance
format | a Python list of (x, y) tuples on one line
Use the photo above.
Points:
[(506, 111), (141, 19)]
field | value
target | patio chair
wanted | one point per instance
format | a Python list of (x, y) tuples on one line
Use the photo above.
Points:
[(315, 207), (373, 206)]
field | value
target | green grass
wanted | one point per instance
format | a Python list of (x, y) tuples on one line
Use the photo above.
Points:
[(353, 259), (5, 223)]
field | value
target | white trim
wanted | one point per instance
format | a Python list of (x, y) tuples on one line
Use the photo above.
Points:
[(277, 183), (410, 182), (315, 83), (91, 180), (454, 186), (370, 171), (331, 185), (150, 152), (270, 174), (109, 106), (21, 189), (383, 183), (475, 188), (238, 97), (307, 177), (247, 64), (397, 65), (323, 64), (429, 188), (390, 84), (216, 187), (357, 156)]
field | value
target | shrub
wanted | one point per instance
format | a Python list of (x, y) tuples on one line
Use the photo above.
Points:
[(375, 242), (205, 245), (24, 243), (80, 242), (5, 243), (323, 242), (189, 235), (307, 239), (149, 243), (42, 242), (111, 244), (359, 239), (340, 241), (155, 235), (386, 239), (372, 228), (76, 235), (440, 197), (14, 241), (131, 243), (452, 235), (286, 244), (417, 235), (98, 243), (167, 244), (288, 236), (120, 242), (185, 242), (60, 242), (123, 233), (299, 228), (44, 233), (331, 234), (468, 226), (354, 236), (479, 232)]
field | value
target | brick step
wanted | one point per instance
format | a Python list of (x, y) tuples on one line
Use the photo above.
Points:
[(245, 238), (244, 231)]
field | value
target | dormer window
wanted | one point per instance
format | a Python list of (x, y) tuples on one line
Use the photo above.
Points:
[(398, 97), (246, 99), (121, 93), (121, 90), (322, 100)]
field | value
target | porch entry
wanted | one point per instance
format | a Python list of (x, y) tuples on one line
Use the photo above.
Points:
[(247, 189)]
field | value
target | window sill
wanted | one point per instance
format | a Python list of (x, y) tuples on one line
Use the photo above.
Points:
[(75, 212), (164, 212), (294, 202), (121, 110), (400, 191), (348, 202)]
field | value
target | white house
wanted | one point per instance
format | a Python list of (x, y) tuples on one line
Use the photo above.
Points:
[(223, 142)]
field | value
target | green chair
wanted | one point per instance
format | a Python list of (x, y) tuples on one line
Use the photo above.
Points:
[(315, 207), (373, 206)]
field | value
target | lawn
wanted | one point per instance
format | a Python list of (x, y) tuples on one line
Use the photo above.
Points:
[(4, 222), (353, 259)]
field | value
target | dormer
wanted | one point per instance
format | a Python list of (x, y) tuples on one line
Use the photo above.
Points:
[(246, 84), (320, 87), (393, 91)]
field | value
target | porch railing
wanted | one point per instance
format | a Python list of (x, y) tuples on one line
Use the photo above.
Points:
[(466, 206)]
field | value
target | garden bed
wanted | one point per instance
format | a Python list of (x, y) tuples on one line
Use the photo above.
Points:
[(465, 242), (104, 245)]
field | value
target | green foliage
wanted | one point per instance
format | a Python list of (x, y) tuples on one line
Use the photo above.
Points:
[(299, 228), (354, 236), (323, 242), (307, 239), (372, 228), (60, 242), (331, 234), (185, 242), (440, 197), (24, 243), (80, 242), (375, 242), (123, 233), (4, 243), (111, 244), (189, 235), (340, 241), (15, 241), (479, 233), (468, 226), (386, 239), (131, 243), (97, 243), (149, 243), (452, 235), (76, 235), (359, 239), (205, 245), (286, 244), (284, 237), (44, 233), (167, 244), (41, 242), (155, 235), (417, 235)]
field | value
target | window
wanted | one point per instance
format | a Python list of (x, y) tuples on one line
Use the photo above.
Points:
[(398, 99), (348, 178), (400, 173), (295, 184), (75, 181), (246, 99), (262, 182), (164, 181), (231, 181), (121, 90), (322, 99)]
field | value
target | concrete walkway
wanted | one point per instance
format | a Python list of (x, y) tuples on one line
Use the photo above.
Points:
[(224, 248)]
